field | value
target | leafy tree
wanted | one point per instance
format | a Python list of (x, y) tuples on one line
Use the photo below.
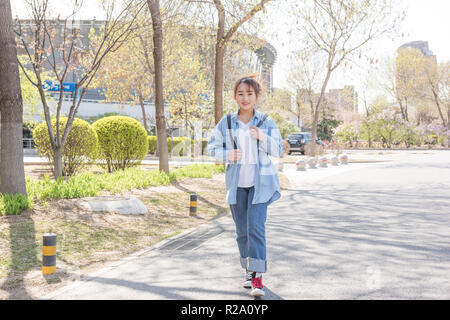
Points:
[(285, 127), (30, 95), (346, 133), (438, 77), (410, 78), (231, 16), (337, 31), (410, 134), (55, 45), (368, 130), (388, 125), (325, 128)]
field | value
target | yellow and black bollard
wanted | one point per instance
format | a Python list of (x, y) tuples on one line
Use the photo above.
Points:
[(49, 253), (193, 206)]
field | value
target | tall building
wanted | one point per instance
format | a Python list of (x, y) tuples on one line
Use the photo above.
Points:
[(421, 45), (345, 99), (342, 104)]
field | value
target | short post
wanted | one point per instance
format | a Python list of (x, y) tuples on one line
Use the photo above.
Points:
[(312, 163), (49, 253), (300, 165), (324, 162), (344, 159), (193, 205), (334, 161)]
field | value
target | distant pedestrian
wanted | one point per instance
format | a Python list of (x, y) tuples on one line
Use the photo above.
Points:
[(244, 140)]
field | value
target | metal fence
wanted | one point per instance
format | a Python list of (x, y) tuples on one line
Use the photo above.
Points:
[(28, 143)]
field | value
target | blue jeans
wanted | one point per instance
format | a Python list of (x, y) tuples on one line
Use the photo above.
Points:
[(250, 230)]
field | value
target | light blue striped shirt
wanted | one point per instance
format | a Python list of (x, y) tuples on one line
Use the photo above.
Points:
[(267, 186)]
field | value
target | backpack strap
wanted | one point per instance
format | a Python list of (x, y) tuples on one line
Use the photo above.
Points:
[(262, 120), (229, 131), (258, 125)]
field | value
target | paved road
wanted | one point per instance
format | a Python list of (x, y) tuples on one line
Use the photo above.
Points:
[(361, 231)]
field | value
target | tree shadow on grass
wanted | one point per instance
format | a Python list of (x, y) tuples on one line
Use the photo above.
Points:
[(220, 211), (23, 255)]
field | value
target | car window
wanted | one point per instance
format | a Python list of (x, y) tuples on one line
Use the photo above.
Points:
[(295, 136)]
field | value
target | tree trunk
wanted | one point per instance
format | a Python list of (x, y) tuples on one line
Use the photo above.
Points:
[(436, 100), (57, 162), (406, 110), (12, 174), (316, 113), (218, 84), (401, 109), (144, 117), (218, 68), (185, 120), (159, 94), (157, 147), (448, 117)]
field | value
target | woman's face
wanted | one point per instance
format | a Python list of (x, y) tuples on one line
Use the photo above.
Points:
[(245, 97)]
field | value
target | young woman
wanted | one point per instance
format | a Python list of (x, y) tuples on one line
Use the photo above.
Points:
[(251, 179)]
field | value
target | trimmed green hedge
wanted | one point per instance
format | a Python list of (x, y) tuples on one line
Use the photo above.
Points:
[(181, 143), (151, 144), (122, 140), (81, 144)]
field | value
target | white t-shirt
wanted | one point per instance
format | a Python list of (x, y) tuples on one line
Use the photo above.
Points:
[(248, 159)]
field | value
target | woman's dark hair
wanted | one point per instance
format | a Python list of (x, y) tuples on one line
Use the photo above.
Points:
[(251, 81)]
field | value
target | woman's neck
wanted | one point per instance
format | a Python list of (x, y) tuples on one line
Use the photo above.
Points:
[(245, 115)]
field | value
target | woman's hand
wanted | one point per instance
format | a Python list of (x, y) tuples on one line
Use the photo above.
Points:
[(257, 134), (234, 155)]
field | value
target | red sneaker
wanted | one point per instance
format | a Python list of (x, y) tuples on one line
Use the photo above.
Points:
[(257, 286)]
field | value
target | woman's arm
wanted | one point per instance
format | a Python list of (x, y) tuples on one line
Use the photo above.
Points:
[(216, 145)]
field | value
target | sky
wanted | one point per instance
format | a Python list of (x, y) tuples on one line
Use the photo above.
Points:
[(426, 20)]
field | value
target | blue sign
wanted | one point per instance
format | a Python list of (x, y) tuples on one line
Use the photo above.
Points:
[(53, 86)]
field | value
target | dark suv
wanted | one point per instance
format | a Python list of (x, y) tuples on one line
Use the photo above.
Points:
[(298, 141)]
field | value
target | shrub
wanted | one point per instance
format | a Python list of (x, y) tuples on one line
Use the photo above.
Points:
[(181, 150), (432, 139), (346, 132), (14, 204), (179, 146), (285, 127), (152, 144), (80, 147), (410, 135), (122, 140), (204, 145), (443, 141)]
